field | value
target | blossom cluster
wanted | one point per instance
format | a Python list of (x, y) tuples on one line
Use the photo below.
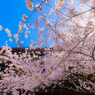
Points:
[(71, 57)]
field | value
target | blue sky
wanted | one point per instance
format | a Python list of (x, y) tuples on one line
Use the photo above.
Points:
[(11, 12), (10, 15)]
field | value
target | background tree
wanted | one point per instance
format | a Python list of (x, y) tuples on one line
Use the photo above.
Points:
[(67, 31)]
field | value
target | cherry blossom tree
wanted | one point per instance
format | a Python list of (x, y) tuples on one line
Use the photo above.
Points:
[(67, 30)]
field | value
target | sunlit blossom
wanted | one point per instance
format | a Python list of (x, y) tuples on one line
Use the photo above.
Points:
[(7, 30), (26, 36), (15, 35), (84, 1), (40, 19), (40, 41), (20, 31), (47, 39), (70, 1), (10, 35), (82, 5), (31, 47), (40, 10), (22, 42), (27, 32), (1, 27), (20, 25), (47, 1), (10, 40), (15, 92), (44, 15), (57, 12), (68, 37), (55, 22), (71, 11), (68, 57), (37, 5), (36, 24), (30, 25), (24, 17), (40, 32), (30, 5)]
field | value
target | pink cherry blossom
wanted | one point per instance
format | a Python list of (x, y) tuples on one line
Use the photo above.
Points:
[(30, 25), (20, 31), (40, 32), (36, 24), (1, 27), (40, 10), (10, 40), (27, 32), (24, 17), (7, 30), (55, 22), (44, 15), (68, 31), (70, 1), (26, 36), (22, 42), (30, 5)]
